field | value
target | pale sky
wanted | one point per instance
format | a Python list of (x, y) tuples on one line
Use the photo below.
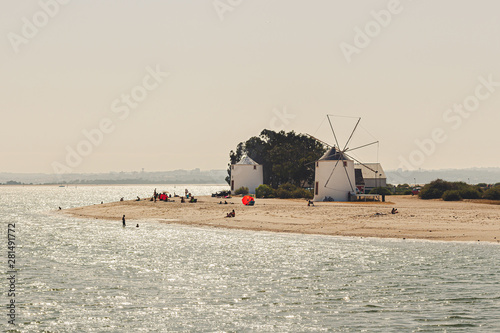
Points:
[(178, 84)]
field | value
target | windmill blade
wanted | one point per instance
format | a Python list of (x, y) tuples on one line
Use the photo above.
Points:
[(369, 144), (331, 126), (359, 119), (325, 157), (336, 189), (366, 166), (332, 172), (348, 178), (323, 142)]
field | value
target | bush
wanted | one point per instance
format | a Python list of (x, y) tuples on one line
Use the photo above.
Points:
[(492, 193), (452, 195), (287, 190), (381, 190), (469, 193), (435, 189), (302, 193), (241, 190), (264, 191)]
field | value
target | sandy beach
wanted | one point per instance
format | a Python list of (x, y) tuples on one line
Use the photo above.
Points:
[(417, 219)]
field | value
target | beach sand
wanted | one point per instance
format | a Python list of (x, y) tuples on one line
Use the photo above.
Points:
[(417, 219)]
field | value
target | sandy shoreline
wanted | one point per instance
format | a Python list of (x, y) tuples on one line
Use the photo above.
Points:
[(418, 219)]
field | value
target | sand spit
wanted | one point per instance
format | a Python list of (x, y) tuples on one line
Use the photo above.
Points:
[(417, 219)]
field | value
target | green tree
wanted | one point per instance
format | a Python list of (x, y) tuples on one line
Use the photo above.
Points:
[(285, 157)]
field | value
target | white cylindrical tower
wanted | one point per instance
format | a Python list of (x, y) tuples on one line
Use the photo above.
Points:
[(341, 182), (247, 173)]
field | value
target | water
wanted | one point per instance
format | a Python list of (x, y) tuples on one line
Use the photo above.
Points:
[(82, 275)]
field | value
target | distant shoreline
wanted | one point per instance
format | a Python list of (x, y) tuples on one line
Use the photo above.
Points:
[(73, 185), (417, 219)]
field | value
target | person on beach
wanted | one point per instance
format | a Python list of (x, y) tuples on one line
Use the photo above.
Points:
[(182, 200), (394, 211), (310, 203), (123, 220), (137, 226), (231, 214)]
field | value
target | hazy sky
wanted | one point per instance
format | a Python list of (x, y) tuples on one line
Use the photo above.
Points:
[(178, 84)]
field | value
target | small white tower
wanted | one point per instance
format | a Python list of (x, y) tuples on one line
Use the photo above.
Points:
[(334, 176), (246, 173)]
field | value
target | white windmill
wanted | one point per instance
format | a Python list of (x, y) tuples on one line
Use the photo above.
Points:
[(334, 172)]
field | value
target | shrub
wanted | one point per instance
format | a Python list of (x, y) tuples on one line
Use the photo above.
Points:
[(381, 190), (302, 193), (435, 189), (438, 187), (492, 193), (469, 193), (288, 190), (241, 190), (452, 195), (264, 191), (285, 191)]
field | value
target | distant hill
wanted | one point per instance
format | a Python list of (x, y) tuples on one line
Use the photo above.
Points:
[(471, 176), (195, 176)]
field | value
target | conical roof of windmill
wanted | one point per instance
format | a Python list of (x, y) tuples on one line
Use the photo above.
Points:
[(333, 154), (247, 160)]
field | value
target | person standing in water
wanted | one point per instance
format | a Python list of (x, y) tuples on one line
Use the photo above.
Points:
[(123, 220)]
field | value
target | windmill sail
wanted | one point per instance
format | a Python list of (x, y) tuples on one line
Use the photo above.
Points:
[(335, 177)]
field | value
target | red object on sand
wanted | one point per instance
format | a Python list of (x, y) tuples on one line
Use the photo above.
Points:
[(247, 199)]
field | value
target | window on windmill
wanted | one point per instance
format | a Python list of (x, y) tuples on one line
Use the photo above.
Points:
[(232, 167), (255, 167), (345, 164), (317, 164)]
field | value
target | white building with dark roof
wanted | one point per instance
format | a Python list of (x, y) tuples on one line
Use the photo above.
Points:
[(246, 173), (373, 175), (334, 177)]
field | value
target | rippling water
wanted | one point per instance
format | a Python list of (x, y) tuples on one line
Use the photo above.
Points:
[(82, 275)]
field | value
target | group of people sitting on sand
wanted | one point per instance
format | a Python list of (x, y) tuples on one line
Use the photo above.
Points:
[(165, 196)]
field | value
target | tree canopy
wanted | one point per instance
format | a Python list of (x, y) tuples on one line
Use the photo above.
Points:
[(285, 157)]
